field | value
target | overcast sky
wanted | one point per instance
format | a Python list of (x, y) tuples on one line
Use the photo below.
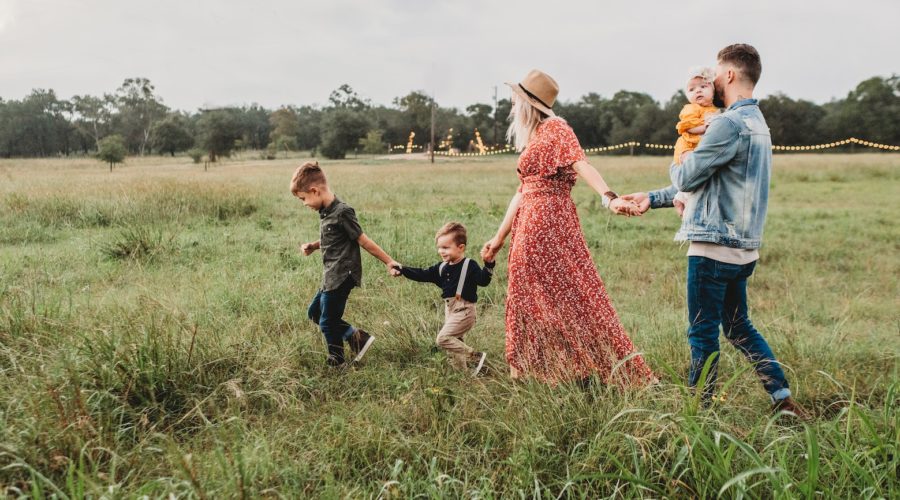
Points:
[(273, 52)]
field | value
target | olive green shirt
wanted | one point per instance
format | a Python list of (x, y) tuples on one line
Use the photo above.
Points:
[(338, 234)]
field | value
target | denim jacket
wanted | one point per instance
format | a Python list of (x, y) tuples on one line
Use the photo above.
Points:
[(729, 175)]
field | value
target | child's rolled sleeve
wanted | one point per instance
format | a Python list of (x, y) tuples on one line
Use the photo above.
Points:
[(350, 224)]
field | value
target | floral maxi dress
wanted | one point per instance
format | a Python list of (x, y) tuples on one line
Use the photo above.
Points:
[(560, 323)]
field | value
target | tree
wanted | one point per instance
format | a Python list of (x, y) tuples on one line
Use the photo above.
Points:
[(255, 126), (665, 132), (172, 134), (589, 118), (112, 150), (218, 129), (196, 154), (481, 117), (416, 111), (345, 97), (35, 126), (285, 128), (652, 124), (391, 122), (793, 122), (344, 123), (501, 114), (309, 132), (869, 112), (372, 143), (41, 124), (138, 109), (342, 128), (92, 115), (463, 127), (624, 109)]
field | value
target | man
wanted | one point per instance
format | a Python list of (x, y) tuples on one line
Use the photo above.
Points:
[(728, 175)]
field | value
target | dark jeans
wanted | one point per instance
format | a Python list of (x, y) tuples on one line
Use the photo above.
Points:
[(717, 295), (327, 311)]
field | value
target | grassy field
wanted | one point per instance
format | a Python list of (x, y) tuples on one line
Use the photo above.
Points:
[(153, 341)]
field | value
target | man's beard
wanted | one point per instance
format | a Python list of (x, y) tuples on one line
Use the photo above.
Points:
[(718, 100)]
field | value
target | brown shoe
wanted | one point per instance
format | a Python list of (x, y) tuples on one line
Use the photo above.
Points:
[(360, 342), (792, 408)]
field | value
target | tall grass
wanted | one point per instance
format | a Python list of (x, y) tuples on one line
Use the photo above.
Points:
[(153, 342)]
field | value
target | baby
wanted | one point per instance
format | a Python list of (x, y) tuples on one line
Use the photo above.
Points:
[(694, 118)]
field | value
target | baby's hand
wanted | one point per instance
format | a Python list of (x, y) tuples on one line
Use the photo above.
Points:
[(394, 268)]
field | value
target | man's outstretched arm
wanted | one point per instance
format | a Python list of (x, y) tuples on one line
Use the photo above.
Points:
[(718, 146)]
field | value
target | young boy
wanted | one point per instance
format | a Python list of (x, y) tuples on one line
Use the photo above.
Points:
[(340, 239), (459, 278)]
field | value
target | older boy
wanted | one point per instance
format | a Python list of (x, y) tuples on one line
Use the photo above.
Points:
[(340, 239)]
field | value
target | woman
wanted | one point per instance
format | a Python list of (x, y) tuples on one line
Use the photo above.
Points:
[(560, 324)]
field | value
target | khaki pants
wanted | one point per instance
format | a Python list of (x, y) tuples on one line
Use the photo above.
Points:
[(459, 318)]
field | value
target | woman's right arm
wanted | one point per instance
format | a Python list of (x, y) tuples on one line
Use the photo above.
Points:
[(490, 249)]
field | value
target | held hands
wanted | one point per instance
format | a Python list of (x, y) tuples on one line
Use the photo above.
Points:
[(490, 249), (641, 200), (394, 268), (628, 208)]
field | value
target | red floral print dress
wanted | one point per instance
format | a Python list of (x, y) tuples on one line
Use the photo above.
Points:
[(560, 324)]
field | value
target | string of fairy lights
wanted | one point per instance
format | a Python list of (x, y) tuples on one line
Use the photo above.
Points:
[(852, 140), (613, 147), (487, 151)]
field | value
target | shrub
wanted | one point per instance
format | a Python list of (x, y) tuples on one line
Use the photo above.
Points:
[(135, 243), (196, 154), (112, 150)]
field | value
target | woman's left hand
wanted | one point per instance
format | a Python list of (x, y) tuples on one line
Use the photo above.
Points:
[(490, 249)]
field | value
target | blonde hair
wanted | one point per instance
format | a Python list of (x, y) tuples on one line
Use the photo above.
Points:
[(306, 176), (523, 120), (456, 229)]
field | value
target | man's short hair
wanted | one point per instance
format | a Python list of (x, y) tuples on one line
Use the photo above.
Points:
[(307, 176), (745, 58), (456, 229)]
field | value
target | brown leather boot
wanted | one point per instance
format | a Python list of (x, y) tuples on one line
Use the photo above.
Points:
[(792, 407)]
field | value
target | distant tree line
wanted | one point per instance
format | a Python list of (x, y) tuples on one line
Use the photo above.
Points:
[(136, 119)]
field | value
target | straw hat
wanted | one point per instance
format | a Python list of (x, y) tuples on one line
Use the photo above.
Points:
[(538, 89)]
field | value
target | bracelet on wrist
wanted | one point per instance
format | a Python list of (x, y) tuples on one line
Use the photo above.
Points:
[(608, 197)]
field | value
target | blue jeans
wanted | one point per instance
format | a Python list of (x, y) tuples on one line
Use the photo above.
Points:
[(327, 311), (717, 295)]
